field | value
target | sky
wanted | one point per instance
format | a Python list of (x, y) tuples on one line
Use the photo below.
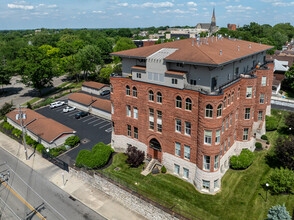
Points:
[(34, 14)]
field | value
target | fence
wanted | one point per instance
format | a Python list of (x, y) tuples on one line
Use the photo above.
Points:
[(56, 161)]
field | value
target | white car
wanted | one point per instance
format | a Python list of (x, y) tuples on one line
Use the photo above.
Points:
[(68, 109), (56, 104)]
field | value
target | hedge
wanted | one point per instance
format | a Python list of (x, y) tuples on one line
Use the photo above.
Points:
[(17, 133), (96, 158), (258, 145), (72, 141), (242, 161), (163, 169), (40, 147), (7, 126), (271, 123), (264, 137)]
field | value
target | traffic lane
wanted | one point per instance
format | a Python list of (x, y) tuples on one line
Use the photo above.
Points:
[(282, 107), (34, 186)]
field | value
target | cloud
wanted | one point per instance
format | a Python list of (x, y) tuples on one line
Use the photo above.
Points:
[(193, 4), (98, 12), (283, 4), (17, 6), (178, 11), (137, 17), (123, 4), (238, 8), (153, 5), (119, 14)]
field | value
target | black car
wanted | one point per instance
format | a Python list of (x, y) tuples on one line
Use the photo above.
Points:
[(105, 92), (81, 114)]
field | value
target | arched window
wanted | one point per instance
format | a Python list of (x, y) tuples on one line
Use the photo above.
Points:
[(232, 97), (238, 94), (208, 111), (159, 97), (134, 91), (151, 95), (229, 99), (179, 102), (111, 88), (128, 90), (225, 101), (188, 104), (219, 110)]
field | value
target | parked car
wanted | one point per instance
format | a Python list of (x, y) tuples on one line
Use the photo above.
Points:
[(68, 109), (81, 114), (57, 104), (105, 92)]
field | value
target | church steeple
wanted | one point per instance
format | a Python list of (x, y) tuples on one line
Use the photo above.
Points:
[(213, 21)]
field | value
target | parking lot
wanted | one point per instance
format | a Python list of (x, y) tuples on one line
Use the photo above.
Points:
[(90, 129)]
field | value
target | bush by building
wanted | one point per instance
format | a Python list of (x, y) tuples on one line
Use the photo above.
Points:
[(30, 141), (264, 137), (278, 212), (280, 181), (135, 156), (258, 145), (40, 147), (72, 141), (7, 126), (16, 132), (284, 151), (96, 158), (271, 123), (242, 161), (163, 169)]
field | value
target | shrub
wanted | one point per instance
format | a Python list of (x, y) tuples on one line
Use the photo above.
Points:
[(5, 118), (46, 102), (264, 137), (40, 147), (278, 212), (72, 141), (6, 108), (17, 133), (135, 156), (96, 158), (163, 169), (29, 105), (57, 151), (280, 181), (258, 145), (271, 123), (285, 151), (242, 161), (267, 142), (7, 126), (30, 141)]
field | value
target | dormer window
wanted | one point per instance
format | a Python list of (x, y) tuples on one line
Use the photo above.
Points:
[(180, 65)]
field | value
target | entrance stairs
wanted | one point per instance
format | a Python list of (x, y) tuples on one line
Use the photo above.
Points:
[(149, 167)]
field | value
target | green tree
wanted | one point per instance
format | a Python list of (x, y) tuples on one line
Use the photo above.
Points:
[(290, 77), (285, 151), (105, 73), (123, 44)]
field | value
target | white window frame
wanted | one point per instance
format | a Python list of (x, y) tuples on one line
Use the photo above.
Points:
[(206, 184), (216, 183), (217, 136), (245, 134), (159, 97), (135, 112), (247, 114), (187, 152), (177, 169), (260, 115), (178, 102), (186, 173), (178, 149), (151, 95), (263, 81), (129, 112), (206, 163), (208, 111), (159, 121), (207, 137), (135, 94), (261, 99), (188, 128), (178, 125), (129, 128), (216, 162), (128, 90), (249, 92), (219, 110), (188, 105), (136, 133)]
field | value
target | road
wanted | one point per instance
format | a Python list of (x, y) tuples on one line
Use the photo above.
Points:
[(282, 107), (28, 190)]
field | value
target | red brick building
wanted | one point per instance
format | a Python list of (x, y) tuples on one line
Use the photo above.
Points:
[(232, 27), (192, 104)]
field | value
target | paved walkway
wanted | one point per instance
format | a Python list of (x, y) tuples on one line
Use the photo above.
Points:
[(90, 196)]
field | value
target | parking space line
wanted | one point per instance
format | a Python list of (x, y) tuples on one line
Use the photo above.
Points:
[(60, 109), (98, 123), (73, 113), (108, 130), (88, 119), (103, 126), (93, 121)]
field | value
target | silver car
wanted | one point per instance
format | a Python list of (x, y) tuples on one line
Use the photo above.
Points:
[(57, 104), (68, 109)]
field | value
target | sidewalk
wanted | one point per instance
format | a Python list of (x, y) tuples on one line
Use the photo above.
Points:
[(281, 99), (88, 195)]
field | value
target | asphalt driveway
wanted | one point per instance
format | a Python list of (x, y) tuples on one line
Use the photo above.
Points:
[(90, 129)]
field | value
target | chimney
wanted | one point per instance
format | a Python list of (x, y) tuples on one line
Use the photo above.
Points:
[(249, 45), (238, 48)]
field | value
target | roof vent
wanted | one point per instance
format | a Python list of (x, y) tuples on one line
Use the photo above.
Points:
[(238, 48), (249, 45), (220, 52)]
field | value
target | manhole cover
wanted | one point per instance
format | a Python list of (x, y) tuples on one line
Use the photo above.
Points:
[(85, 140)]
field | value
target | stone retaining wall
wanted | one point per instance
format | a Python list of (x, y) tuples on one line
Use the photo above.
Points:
[(130, 201)]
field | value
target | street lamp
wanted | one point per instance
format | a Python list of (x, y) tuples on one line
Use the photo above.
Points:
[(267, 185)]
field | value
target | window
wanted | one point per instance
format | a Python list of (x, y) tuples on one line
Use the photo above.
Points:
[(151, 118), (207, 137), (206, 162), (187, 152), (151, 95), (225, 101), (236, 114), (174, 81), (245, 134), (227, 123), (206, 184), (238, 94), (221, 151), (225, 149), (216, 162), (260, 115), (128, 90), (237, 71), (111, 88), (180, 65), (217, 137), (193, 82), (263, 81), (229, 142), (159, 121), (219, 111), (232, 98), (223, 126), (159, 97), (234, 135), (177, 169), (139, 75), (178, 125), (178, 149), (208, 111), (113, 128), (179, 102), (129, 111), (129, 130), (187, 128), (112, 110), (216, 184), (230, 119), (135, 112), (188, 104), (134, 91), (135, 132), (249, 92), (186, 173), (261, 99), (229, 99), (247, 113)]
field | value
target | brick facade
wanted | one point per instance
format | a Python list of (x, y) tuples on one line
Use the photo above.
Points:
[(196, 116)]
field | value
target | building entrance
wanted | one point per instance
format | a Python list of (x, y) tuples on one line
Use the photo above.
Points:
[(155, 150)]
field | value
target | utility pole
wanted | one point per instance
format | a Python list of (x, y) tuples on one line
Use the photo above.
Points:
[(22, 116)]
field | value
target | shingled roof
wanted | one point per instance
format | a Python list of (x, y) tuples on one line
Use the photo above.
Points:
[(93, 85), (211, 51)]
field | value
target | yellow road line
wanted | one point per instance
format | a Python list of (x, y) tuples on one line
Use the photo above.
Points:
[(23, 201)]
